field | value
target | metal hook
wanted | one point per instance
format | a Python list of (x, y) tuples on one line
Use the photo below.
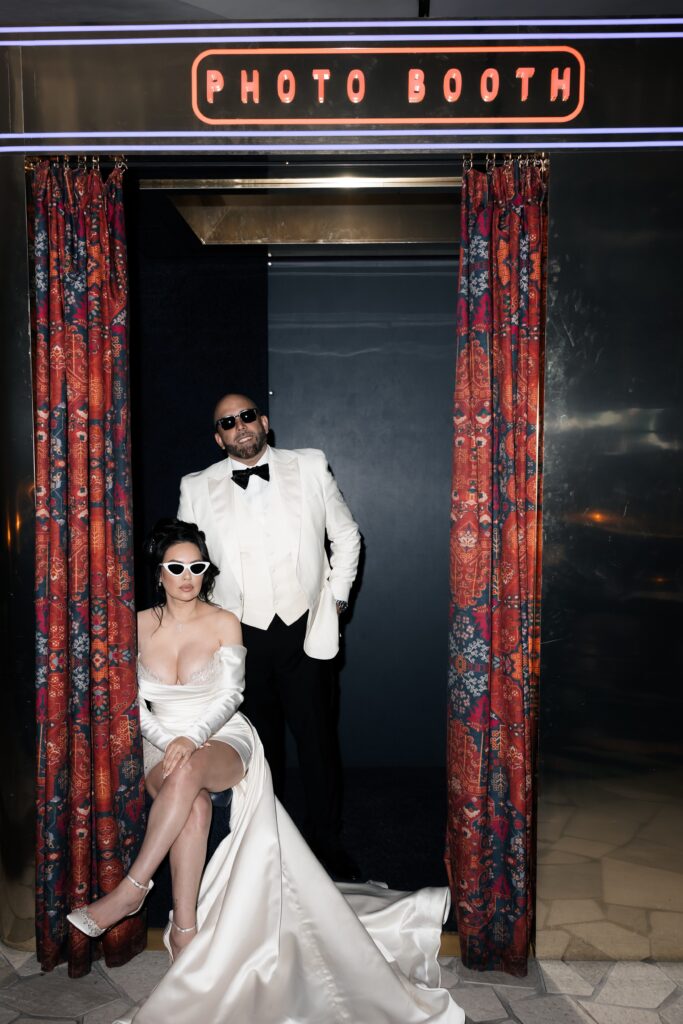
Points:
[(490, 162), (467, 162)]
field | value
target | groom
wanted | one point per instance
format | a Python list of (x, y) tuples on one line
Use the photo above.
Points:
[(266, 513)]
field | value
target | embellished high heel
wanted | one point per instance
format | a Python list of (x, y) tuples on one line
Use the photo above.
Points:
[(166, 937), (82, 919)]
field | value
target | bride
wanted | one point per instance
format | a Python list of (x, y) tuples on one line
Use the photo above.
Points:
[(267, 936)]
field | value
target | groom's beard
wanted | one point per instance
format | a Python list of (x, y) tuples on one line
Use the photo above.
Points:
[(248, 447)]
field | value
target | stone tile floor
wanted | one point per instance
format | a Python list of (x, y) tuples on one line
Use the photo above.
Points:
[(555, 992), (610, 868)]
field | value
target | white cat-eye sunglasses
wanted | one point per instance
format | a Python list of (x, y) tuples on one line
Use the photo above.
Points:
[(178, 568)]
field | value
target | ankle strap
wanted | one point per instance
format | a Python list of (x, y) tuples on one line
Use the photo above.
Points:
[(139, 885), (192, 928)]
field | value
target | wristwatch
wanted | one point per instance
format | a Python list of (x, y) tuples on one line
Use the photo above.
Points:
[(342, 606)]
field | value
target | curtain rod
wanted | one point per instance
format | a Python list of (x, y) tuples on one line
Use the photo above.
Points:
[(344, 181)]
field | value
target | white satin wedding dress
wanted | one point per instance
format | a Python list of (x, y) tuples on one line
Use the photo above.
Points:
[(278, 942)]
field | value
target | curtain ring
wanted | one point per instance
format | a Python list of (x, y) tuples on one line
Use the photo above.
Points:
[(490, 162), (120, 162), (466, 162), (95, 162)]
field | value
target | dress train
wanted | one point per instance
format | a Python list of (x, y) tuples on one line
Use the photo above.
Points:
[(279, 943)]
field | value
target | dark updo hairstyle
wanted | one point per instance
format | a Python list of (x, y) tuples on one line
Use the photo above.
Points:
[(164, 535)]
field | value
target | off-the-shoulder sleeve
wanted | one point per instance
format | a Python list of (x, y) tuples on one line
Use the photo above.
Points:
[(229, 696)]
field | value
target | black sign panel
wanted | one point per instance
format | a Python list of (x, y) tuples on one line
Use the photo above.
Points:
[(401, 87), (425, 85)]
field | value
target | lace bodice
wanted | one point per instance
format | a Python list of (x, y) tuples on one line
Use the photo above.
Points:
[(204, 674)]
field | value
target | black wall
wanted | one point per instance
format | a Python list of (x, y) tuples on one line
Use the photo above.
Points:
[(361, 365), (613, 456), (198, 329), (612, 656), (17, 723)]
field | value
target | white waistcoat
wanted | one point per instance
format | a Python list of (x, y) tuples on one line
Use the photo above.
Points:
[(269, 576)]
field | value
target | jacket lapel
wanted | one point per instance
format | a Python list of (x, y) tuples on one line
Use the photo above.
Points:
[(222, 499), (287, 476)]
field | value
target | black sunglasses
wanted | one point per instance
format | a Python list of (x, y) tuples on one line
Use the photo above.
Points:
[(228, 422)]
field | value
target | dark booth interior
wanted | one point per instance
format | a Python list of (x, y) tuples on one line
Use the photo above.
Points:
[(348, 347)]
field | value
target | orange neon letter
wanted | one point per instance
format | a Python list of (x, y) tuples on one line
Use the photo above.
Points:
[(452, 85), (355, 86), (286, 86), (249, 85), (416, 85), (321, 75), (214, 83), (525, 74), (490, 84), (560, 84)]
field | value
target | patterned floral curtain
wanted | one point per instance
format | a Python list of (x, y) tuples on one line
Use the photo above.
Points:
[(90, 798), (495, 562)]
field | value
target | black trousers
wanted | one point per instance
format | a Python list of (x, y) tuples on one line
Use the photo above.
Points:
[(285, 685)]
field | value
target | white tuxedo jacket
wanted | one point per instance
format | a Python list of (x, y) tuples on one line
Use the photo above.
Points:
[(314, 507)]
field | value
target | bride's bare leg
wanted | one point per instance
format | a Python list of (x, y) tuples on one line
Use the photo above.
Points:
[(187, 856), (213, 767)]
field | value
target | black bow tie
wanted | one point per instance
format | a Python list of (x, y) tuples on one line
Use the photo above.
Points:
[(241, 476)]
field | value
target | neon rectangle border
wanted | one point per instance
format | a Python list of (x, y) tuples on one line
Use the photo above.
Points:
[(339, 141)]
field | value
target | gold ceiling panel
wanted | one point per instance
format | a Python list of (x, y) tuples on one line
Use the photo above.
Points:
[(347, 217)]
